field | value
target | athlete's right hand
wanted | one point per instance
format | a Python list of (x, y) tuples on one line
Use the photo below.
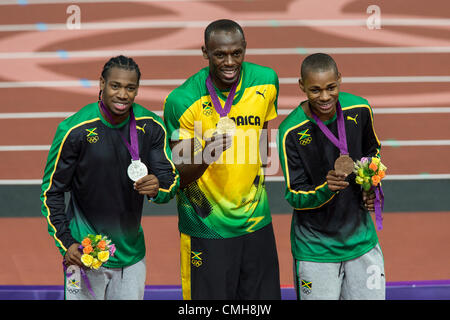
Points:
[(215, 146), (336, 181), (73, 256)]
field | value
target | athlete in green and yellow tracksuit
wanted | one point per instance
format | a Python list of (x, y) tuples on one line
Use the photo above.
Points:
[(227, 243), (89, 160), (333, 238)]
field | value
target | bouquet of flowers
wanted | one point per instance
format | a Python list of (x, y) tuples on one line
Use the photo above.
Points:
[(96, 250), (369, 172)]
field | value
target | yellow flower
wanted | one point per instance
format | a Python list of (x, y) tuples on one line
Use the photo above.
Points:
[(361, 172), (98, 237), (96, 264), (359, 180), (103, 256), (87, 260), (376, 160)]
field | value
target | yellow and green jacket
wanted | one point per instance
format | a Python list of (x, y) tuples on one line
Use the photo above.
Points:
[(88, 161), (230, 198)]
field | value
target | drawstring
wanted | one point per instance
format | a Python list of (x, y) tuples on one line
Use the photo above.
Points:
[(340, 268)]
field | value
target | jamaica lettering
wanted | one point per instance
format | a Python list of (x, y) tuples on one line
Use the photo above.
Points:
[(246, 120)]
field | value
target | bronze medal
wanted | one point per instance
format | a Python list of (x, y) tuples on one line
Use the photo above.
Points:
[(344, 164)]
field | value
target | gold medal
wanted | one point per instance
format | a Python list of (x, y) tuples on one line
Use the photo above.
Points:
[(344, 164), (226, 126)]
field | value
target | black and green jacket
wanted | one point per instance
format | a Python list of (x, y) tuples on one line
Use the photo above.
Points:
[(327, 226), (89, 160)]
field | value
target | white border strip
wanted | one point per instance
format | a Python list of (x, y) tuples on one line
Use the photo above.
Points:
[(25, 148), (403, 177), (386, 143), (63, 115), (401, 143), (35, 115), (411, 143), (196, 52), (434, 176), (386, 110), (46, 115), (42, 27), (31, 2), (176, 82), (20, 181), (381, 79)]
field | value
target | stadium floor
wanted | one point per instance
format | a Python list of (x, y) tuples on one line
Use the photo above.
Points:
[(419, 290)]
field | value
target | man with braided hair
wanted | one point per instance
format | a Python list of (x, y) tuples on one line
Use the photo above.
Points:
[(90, 158)]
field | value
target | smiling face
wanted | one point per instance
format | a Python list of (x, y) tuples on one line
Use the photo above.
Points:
[(225, 51), (119, 91), (322, 90)]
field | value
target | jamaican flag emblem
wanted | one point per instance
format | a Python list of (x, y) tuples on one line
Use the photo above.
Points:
[(306, 286), (92, 136), (196, 259), (207, 108), (305, 138)]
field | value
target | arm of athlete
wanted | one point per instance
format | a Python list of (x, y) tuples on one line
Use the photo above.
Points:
[(264, 150), (162, 182), (59, 171), (371, 148), (189, 169), (300, 193)]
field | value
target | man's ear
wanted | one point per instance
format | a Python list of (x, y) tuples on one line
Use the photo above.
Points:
[(301, 84), (205, 53), (339, 78), (102, 83)]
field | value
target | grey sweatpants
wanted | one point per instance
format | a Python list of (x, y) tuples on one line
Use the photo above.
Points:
[(358, 279), (126, 283)]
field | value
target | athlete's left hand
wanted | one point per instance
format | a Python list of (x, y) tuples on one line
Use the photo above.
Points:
[(369, 200), (336, 181), (148, 185)]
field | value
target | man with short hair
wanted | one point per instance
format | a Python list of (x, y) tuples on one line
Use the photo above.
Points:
[(333, 239), (215, 121)]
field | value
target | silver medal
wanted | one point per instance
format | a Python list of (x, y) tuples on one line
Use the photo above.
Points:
[(137, 170)]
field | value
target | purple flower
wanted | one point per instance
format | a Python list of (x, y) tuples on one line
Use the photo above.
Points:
[(365, 160), (112, 249)]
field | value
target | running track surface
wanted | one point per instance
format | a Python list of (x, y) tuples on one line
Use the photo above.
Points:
[(44, 70)]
